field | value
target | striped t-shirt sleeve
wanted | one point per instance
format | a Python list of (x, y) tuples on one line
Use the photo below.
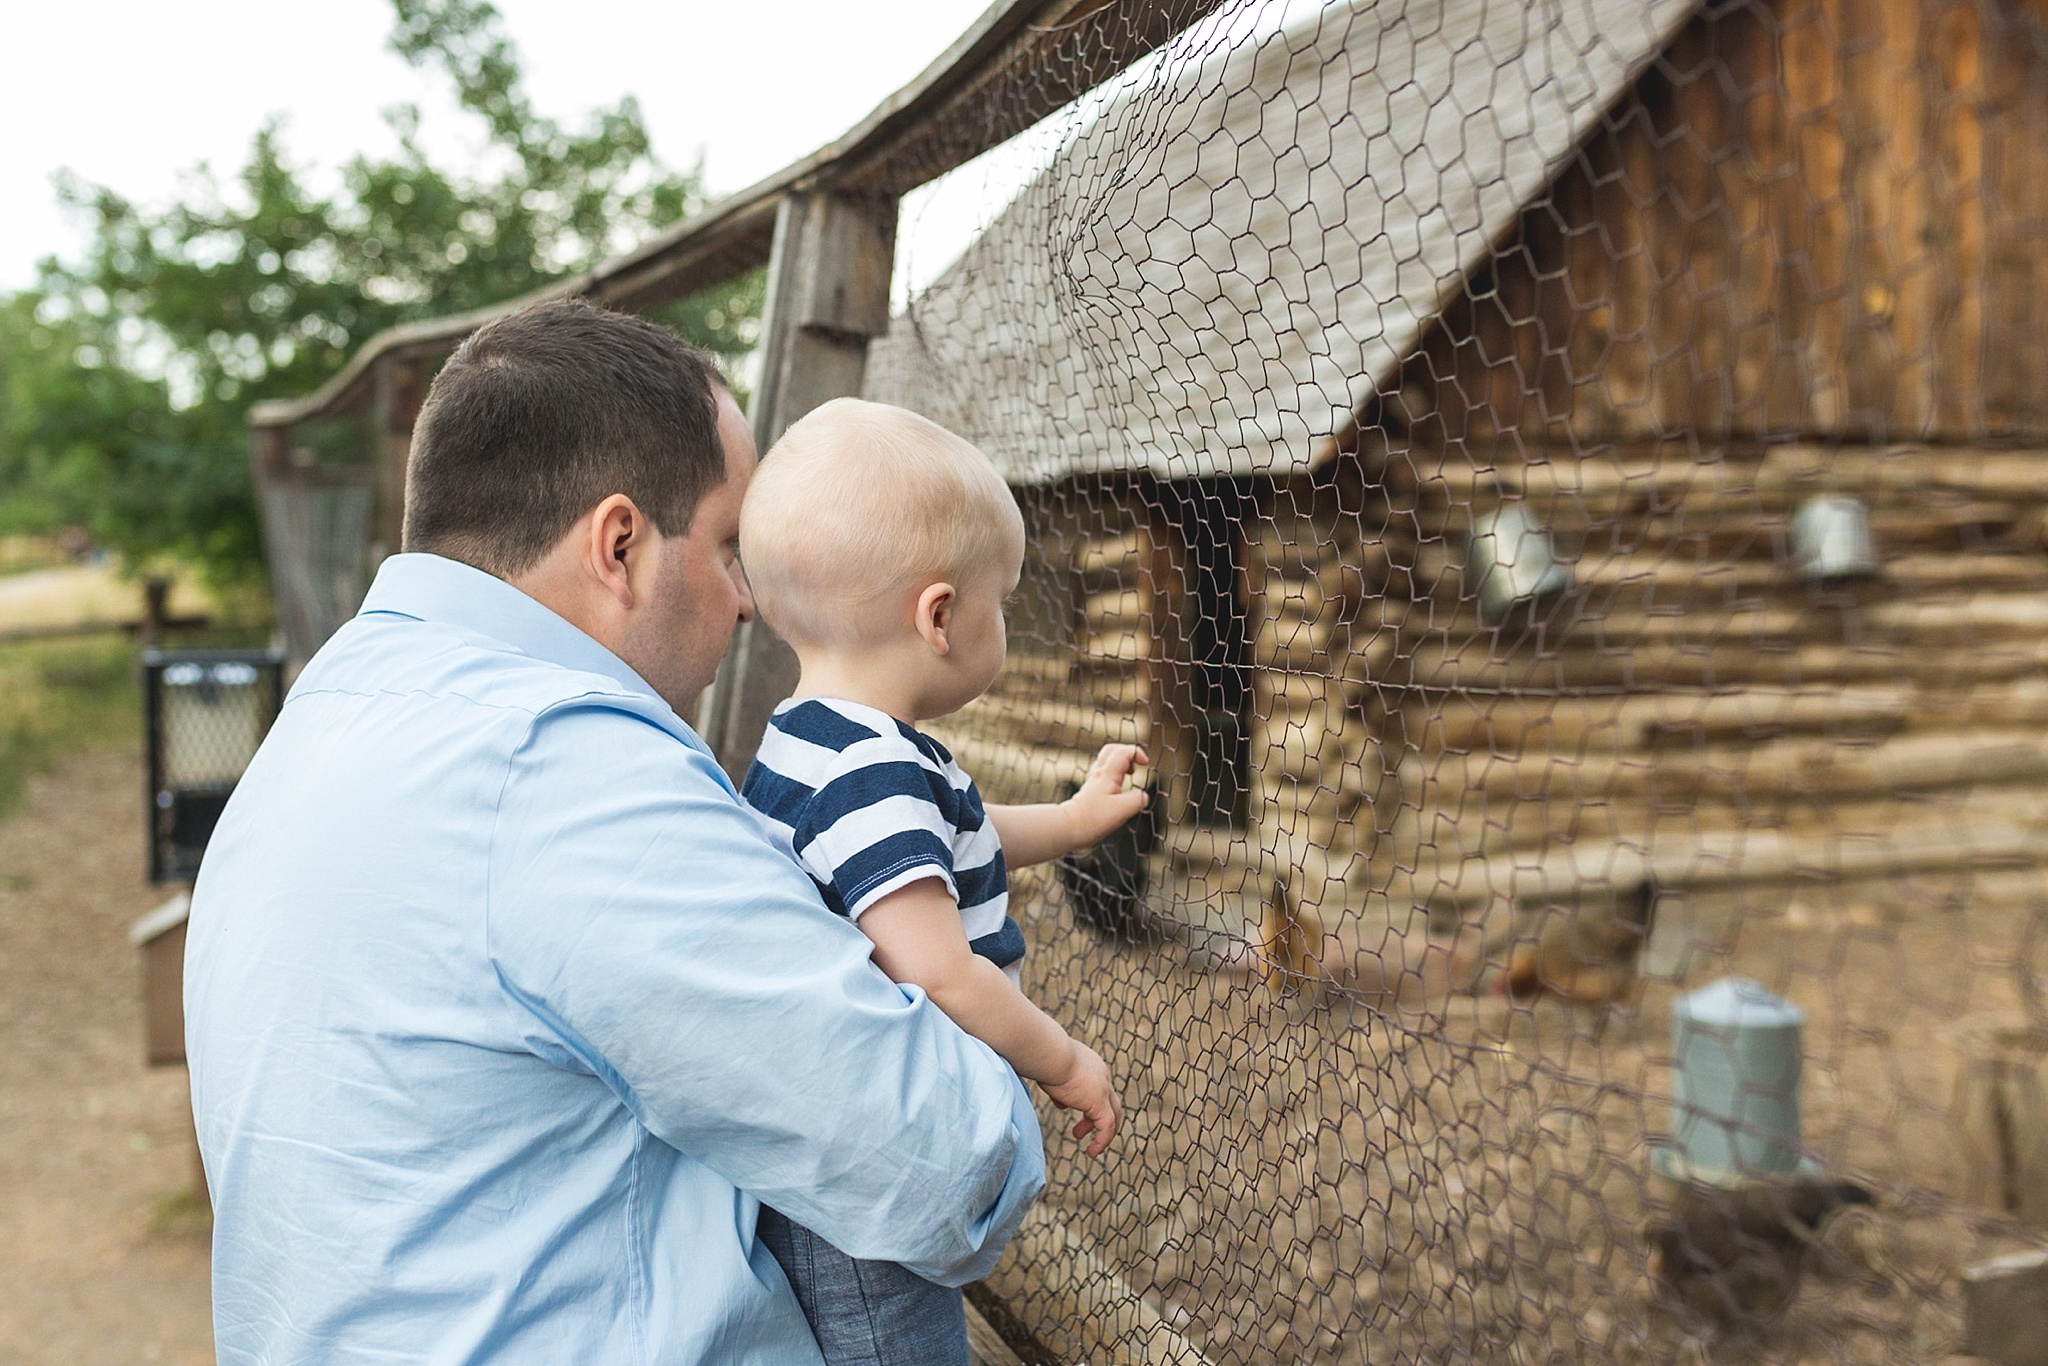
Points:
[(874, 829)]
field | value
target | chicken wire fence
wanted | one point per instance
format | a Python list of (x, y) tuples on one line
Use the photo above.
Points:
[(1557, 488), (1552, 484)]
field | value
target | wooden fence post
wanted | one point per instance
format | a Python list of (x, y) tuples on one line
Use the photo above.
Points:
[(399, 385), (828, 296)]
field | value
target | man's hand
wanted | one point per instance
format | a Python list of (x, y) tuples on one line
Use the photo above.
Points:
[(1089, 1090), (1108, 797)]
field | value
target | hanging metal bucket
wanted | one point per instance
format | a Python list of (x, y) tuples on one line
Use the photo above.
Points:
[(1831, 541), (1513, 563)]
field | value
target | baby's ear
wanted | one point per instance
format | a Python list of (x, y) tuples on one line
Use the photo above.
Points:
[(935, 616)]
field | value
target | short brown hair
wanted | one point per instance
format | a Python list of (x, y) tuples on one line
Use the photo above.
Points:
[(544, 413)]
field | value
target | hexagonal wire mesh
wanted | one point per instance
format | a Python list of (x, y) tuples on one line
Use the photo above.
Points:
[(1556, 486), (1413, 405), (204, 714)]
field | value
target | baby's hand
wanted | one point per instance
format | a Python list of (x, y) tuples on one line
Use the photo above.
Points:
[(1089, 1090), (1109, 796)]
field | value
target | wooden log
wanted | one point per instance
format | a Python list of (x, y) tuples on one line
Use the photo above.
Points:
[(1117, 609), (1979, 616), (1125, 645), (1094, 684), (1637, 503), (1010, 772), (985, 1346), (1057, 715), (1121, 554), (1516, 726), (1712, 860), (2002, 1115), (1951, 573), (1777, 770), (2004, 1321), (1437, 665), (1814, 212), (2021, 702)]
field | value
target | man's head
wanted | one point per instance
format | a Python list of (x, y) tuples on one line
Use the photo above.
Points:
[(859, 511), (596, 462)]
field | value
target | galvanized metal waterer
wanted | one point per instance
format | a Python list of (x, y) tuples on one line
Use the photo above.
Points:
[(1736, 1051)]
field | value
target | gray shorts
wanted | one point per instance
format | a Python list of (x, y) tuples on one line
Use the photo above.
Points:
[(867, 1313)]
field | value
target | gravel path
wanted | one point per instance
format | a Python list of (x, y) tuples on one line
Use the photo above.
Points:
[(94, 1146)]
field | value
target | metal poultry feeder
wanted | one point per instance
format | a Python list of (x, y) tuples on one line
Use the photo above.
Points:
[(205, 712), (1513, 563), (1831, 541), (1736, 1054)]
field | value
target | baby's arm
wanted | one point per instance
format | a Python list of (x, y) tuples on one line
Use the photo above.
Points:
[(918, 940), (1050, 830)]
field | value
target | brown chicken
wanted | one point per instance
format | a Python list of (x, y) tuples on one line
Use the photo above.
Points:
[(1731, 1259), (1290, 939), (1590, 954), (1300, 952)]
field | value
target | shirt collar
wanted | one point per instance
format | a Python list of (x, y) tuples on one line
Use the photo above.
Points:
[(432, 588)]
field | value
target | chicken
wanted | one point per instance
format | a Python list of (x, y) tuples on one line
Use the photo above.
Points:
[(1106, 885), (1588, 955), (1291, 939), (1300, 952), (1731, 1259)]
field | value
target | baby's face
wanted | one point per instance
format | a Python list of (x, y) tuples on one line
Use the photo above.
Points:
[(977, 635)]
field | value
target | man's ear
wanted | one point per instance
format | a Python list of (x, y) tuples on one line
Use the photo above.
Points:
[(935, 616), (617, 532)]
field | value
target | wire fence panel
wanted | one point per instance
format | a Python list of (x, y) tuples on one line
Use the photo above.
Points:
[(1558, 488)]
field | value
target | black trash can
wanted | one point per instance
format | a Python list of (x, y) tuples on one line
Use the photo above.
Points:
[(204, 714)]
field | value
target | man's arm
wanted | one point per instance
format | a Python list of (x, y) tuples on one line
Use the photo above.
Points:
[(639, 914)]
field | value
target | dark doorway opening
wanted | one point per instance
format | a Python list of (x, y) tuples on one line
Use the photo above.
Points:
[(1207, 518)]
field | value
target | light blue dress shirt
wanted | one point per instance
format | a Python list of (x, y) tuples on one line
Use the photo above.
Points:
[(504, 1014)]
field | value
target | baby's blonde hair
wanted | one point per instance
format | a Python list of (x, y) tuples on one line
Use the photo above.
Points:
[(859, 501)]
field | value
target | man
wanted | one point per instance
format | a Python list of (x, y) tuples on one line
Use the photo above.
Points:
[(504, 1015)]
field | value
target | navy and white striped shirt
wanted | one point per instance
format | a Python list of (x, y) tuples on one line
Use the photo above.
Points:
[(866, 804)]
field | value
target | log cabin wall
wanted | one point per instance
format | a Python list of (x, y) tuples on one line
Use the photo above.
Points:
[(1805, 256), (1084, 657), (1813, 232), (1810, 219)]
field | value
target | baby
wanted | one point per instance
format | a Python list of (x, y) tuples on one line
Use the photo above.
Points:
[(882, 547)]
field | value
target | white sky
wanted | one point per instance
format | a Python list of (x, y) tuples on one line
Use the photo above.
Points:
[(130, 94)]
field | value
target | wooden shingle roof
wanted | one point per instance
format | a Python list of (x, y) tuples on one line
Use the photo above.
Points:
[(1220, 265)]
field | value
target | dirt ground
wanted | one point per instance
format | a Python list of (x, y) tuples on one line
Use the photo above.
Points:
[(1302, 1182), (100, 1262), (1298, 1183)]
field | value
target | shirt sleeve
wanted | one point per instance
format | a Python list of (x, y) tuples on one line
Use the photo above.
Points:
[(640, 915), (877, 826)]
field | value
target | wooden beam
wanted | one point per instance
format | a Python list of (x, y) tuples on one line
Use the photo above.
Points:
[(400, 385), (828, 296), (985, 1346)]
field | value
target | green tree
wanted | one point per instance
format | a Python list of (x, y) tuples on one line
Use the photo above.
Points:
[(128, 373)]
